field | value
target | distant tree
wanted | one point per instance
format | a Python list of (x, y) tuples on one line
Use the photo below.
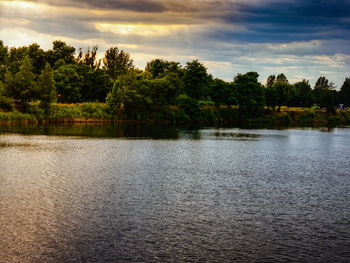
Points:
[(303, 95), (223, 93), (59, 51), (37, 57), (196, 80), (160, 67), (22, 87), (3, 60), (321, 85), (328, 98), (16, 57), (282, 78), (271, 96), (68, 83), (345, 92), (270, 81), (89, 58), (282, 89), (117, 62), (95, 83), (250, 94), (46, 88)]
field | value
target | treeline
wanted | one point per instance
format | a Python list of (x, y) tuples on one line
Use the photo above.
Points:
[(66, 75)]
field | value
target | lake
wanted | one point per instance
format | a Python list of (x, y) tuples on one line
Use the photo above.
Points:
[(161, 193)]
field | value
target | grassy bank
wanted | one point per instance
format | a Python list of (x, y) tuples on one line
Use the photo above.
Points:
[(100, 112)]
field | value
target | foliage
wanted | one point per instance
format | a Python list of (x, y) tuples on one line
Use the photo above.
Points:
[(250, 93), (117, 62), (196, 80), (345, 93), (46, 88)]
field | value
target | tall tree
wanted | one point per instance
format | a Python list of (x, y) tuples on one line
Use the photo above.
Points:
[(117, 62), (321, 86), (282, 89), (345, 92), (196, 80), (3, 60), (46, 88), (22, 87), (282, 78), (270, 81), (59, 51), (303, 96), (250, 94), (160, 67)]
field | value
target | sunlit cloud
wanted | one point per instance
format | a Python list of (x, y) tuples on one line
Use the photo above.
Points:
[(303, 39)]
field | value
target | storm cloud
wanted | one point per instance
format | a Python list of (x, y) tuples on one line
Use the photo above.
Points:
[(303, 39)]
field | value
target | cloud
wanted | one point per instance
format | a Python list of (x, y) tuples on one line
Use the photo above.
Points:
[(230, 36)]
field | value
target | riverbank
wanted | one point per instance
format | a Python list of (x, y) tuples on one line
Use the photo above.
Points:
[(223, 115)]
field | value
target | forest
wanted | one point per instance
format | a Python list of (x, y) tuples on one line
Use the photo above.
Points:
[(67, 83)]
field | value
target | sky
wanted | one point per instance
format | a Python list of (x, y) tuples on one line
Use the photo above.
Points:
[(303, 39)]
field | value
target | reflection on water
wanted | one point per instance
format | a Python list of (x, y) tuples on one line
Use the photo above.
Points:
[(160, 193)]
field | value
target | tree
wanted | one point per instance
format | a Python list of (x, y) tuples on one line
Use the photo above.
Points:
[(59, 51), (250, 94), (3, 60), (282, 90), (37, 57), (271, 96), (160, 67), (117, 63), (196, 80), (223, 93), (95, 83), (282, 78), (345, 92), (22, 87), (321, 85), (303, 96), (270, 81), (68, 83), (89, 58), (46, 88)]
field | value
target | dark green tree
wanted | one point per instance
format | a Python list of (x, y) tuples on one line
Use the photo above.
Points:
[(270, 81), (3, 60), (271, 97), (282, 78), (68, 83), (46, 88), (22, 87), (282, 90), (196, 80), (223, 93), (117, 62), (345, 93), (59, 51), (160, 67), (321, 85), (250, 94), (303, 95)]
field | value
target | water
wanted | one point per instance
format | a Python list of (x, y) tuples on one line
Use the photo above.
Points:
[(148, 193)]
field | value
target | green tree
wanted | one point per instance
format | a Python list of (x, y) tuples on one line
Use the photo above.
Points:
[(59, 51), (3, 60), (159, 68), (250, 94), (196, 80), (270, 81), (271, 96), (345, 93), (46, 88), (22, 87), (117, 62), (321, 85), (89, 58), (303, 96), (282, 90), (37, 57), (282, 78), (223, 93), (68, 83)]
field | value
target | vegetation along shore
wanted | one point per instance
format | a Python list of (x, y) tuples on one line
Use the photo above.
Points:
[(62, 85)]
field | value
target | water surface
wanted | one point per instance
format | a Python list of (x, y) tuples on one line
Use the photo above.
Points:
[(158, 193)]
